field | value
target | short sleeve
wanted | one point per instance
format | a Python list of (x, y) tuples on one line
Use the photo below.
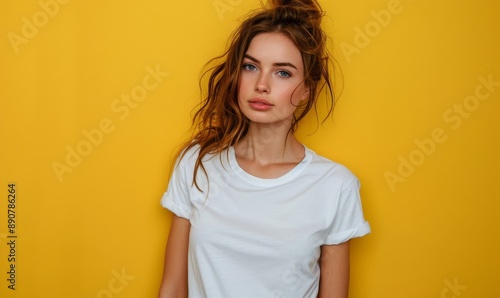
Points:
[(348, 220), (177, 197)]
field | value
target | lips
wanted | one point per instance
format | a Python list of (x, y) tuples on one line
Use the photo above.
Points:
[(259, 101), (260, 104)]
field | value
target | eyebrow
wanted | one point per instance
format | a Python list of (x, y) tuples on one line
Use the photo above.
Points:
[(274, 64)]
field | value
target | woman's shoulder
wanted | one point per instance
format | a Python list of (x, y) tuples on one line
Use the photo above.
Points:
[(190, 153), (187, 156), (331, 168)]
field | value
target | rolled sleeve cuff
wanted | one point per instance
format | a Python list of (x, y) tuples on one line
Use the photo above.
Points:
[(178, 209), (358, 231)]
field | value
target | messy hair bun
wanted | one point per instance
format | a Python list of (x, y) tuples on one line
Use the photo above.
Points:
[(296, 11), (219, 122)]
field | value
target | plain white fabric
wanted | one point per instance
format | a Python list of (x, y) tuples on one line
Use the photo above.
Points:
[(254, 237)]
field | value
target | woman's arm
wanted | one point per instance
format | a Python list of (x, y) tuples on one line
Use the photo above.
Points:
[(334, 265), (174, 283)]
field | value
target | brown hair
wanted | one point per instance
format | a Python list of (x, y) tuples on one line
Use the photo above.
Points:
[(219, 122)]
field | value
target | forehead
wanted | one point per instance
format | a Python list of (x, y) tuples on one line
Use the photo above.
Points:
[(271, 48)]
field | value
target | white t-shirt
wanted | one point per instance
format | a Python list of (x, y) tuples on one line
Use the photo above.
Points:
[(254, 237)]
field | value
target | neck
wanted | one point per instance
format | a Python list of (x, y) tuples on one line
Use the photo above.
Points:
[(269, 144)]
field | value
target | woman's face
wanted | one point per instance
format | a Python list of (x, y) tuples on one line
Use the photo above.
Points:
[(272, 80)]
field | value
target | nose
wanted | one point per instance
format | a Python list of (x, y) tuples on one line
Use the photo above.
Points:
[(262, 84)]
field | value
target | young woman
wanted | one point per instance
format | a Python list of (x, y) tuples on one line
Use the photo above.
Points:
[(256, 213)]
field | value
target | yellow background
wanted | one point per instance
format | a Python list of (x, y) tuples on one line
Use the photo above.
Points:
[(435, 230)]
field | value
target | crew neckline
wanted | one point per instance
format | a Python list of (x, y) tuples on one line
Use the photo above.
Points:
[(288, 176)]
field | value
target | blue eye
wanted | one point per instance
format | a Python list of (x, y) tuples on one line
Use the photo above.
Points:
[(284, 73), (249, 67)]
